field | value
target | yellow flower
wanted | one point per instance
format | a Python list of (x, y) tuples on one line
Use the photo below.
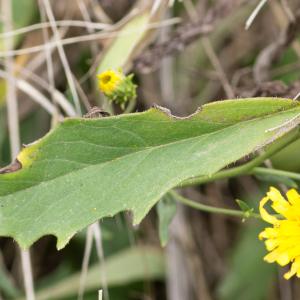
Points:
[(117, 87), (283, 239), (109, 81)]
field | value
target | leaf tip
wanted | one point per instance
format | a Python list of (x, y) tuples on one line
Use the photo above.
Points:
[(62, 241)]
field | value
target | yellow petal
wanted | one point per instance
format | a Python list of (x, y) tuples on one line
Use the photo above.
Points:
[(268, 233), (295, 268), (281, 258), (264, 214), (271, 244), (276, 196), (293, 196)]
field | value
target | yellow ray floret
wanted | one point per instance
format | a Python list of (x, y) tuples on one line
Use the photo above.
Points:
[(109, 81), (283, 239)]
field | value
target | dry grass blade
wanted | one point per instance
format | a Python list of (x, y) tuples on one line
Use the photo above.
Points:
[(63, 23), (84, 38), (255, 13), (38, 97), (99, 247), (63, 56), (85, 262)]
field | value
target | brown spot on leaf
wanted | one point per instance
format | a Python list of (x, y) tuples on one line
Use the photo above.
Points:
[(96, 112), (13, 167)]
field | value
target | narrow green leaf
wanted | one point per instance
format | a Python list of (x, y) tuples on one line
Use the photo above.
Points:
[(134, 33), (277, 179), (249, 275), (87, 169), (123, 46), (6, 285), (243, 205), (130, 265), (166, 210), (245, 208)]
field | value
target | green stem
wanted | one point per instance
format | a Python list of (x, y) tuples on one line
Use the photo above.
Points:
[(131, 106), (211, 209), (246, 168), (264, 171)]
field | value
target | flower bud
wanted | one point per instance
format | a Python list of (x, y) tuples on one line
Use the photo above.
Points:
[(117, 87)]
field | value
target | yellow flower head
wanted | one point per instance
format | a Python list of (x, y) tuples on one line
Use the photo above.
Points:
[(283, 239), (117, 87), (109, 81)]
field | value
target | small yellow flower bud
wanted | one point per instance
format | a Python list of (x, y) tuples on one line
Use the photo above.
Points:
[(109, 81), (117, 87)]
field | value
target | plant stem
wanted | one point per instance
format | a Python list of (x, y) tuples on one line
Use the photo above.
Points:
[(263, 171), (246, 168), (212, 209)]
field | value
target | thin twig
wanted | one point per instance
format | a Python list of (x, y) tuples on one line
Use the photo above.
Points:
[(63, 23), (99, 12), (85, 14), (218, 67), (255, 13), (85, 262), (83, 96), (63, 56), (39, 59), (27, 274), (58, 96), (166, 73), (155, 6), (49, 63), (87, 38), (99, 247), (100, 295), (38, 97)]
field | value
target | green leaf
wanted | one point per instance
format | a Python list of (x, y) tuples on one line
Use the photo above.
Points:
[(243, 205), (7, 286), (245, 208), (87, 169), (277, 179), (166, 210), (134, 33), (287, 159), (123, 46), (131, 265), (249, 275)]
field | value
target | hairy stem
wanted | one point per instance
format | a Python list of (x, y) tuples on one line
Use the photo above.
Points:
[(212, 209), (267, 171)]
